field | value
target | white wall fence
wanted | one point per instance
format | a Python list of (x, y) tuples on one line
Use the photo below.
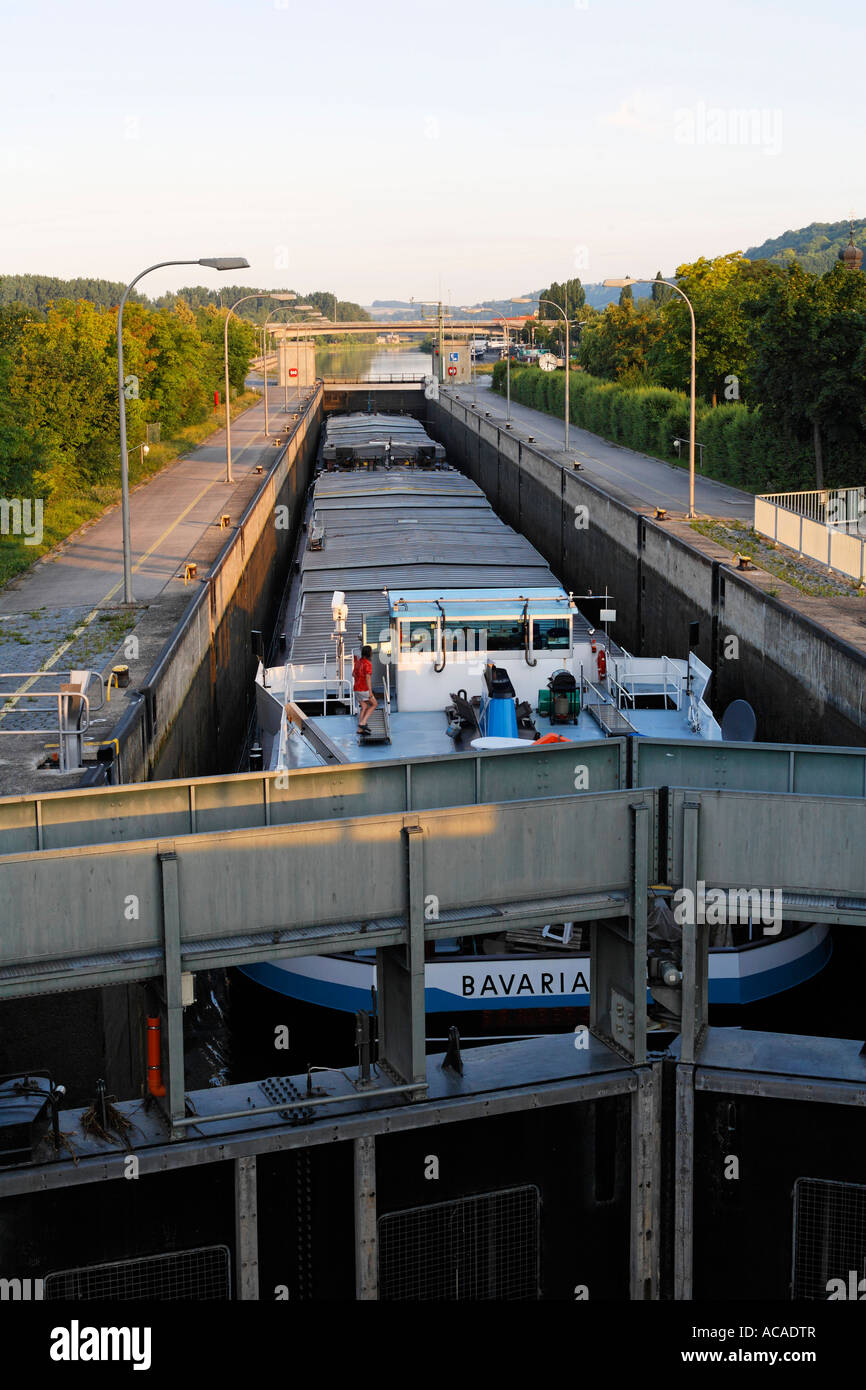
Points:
[(828, 525)]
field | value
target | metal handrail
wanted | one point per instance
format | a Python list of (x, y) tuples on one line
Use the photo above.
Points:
[(45, 709), (623, 695), (44, 675)]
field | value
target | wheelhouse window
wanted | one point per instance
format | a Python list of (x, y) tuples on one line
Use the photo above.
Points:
[(551, 634), (505, 635)]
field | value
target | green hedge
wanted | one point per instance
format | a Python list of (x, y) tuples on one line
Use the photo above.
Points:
[(738, 447)]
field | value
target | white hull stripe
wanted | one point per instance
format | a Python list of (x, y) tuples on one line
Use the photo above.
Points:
[(485, 982)]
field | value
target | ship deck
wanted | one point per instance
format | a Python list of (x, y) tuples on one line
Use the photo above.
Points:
[(419, 734)]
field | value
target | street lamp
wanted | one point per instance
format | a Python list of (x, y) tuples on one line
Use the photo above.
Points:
[(282, 295), (314, 313), (473, 363), (508, 359), (215, 263), (630, 280), (567, 359), (265, 354)]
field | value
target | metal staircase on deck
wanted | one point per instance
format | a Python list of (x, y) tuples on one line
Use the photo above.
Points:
[(611, 720), (378, 726)]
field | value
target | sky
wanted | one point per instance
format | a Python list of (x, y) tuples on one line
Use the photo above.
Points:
[(386, 150)]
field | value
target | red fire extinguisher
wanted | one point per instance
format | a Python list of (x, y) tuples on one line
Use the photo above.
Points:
[(602, 663)]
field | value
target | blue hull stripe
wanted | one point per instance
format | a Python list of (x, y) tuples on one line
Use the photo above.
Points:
[(347, 998)]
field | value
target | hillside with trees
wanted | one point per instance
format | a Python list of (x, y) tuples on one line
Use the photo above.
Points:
[(815, 247), (780, 372), (38, 291)]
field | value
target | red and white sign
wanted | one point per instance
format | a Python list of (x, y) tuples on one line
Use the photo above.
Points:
[(293, 371), (452, 371)]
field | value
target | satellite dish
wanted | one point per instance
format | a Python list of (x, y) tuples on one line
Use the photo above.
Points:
[(739, 722)]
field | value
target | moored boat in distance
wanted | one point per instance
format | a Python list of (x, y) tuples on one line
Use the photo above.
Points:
[(474, 646)]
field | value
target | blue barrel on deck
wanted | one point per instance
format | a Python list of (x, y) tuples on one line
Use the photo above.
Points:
[(498, 711)]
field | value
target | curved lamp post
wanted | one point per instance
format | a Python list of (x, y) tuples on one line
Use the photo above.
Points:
[(567, 359), (313, 313), (508, 359), (265, 356), (630, 280), (243, 299), (296, 309), (215, 263)]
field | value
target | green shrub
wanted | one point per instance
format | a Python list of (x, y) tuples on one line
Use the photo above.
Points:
[(739, 446)]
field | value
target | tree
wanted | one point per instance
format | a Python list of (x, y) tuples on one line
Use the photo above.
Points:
[(719, 291), (808, 369), (571, 297), (64, 387), (625, 296), (242, 345), (661, 293), (620, 341)]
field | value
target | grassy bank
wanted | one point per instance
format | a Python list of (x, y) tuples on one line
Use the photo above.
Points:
[(803, 574), (65, 513)]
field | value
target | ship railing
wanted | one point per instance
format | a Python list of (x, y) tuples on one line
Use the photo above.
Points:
[(330, 688), (601, 696), (641, 676), (623, 696)]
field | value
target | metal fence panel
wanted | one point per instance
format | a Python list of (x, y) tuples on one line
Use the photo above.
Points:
[(74, 903), (192, 1275), (475, 1249), (541, 849), (814, 769), (829, 1238), (107, 815), (801, 844)]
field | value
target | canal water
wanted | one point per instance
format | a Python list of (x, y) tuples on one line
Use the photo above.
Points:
[(372, 361)]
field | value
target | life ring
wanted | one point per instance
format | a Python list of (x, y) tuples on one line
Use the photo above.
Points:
[(602, 663), (553, 738)]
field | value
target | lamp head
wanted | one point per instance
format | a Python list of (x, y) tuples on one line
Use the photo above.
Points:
[(622, 284), (225, 262)]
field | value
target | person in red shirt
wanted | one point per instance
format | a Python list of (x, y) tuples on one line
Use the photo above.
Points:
[(363, 673)]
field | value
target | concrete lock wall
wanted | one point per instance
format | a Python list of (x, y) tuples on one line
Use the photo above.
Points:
[(805, 683), (191, 719), (197, 700)]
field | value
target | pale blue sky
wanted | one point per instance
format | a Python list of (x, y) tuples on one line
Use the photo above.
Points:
[(388, 150)]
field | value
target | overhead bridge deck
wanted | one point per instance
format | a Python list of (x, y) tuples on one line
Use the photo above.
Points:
[(119, 884), (140, 881)]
